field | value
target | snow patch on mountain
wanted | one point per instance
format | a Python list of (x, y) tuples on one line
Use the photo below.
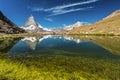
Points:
[(31, 27), (46, 29), (70, 27)]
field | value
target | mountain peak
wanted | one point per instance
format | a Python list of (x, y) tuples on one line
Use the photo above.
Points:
[(32, 26), (31, 15), (30, 21)]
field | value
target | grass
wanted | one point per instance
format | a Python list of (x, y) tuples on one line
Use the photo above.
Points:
[(9, 36), (95, 34), (29, 67)]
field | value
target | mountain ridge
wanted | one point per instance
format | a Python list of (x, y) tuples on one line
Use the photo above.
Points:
[(108, 25), (116, 13), (8, 27)]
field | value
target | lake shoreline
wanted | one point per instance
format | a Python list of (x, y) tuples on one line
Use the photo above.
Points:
[(5, 36)]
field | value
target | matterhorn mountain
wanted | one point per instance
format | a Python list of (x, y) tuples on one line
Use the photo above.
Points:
[(32, 26), (70, 27)]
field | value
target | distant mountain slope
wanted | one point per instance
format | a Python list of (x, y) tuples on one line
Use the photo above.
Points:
[(8, 27), (109, 25)]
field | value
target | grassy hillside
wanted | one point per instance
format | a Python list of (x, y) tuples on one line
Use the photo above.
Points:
[(109, 25)]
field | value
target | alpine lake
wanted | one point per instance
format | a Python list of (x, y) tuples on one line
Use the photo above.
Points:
[(57, 57)]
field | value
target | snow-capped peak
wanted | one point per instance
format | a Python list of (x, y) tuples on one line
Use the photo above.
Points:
[(30, 21), (78, 24), (32, 26), (70, 27)]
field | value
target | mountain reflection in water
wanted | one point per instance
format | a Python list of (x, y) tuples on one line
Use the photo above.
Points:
[(62, 45)]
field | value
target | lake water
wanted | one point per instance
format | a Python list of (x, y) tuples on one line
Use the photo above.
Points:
[(64, 45), (64, 57)]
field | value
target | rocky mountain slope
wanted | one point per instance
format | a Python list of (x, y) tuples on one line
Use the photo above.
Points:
[(8, 27), (109, 25)]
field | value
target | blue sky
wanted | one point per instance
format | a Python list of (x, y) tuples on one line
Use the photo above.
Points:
[(56, 13)]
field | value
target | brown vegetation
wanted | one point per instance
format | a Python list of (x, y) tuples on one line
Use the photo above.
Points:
[(109, 25)]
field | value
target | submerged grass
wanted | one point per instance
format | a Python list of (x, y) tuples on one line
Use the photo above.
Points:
[(58, 68)]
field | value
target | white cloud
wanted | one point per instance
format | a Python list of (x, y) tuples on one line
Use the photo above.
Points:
[(49, 19), (70, 5), (58, 10), (68, 11), (65, 6)]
